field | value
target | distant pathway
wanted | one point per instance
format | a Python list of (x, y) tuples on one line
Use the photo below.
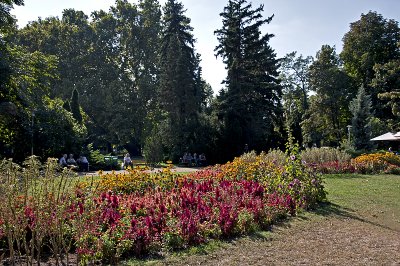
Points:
[(176, 169)]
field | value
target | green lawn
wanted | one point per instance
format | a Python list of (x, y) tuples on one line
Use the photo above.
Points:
[(376, 198)]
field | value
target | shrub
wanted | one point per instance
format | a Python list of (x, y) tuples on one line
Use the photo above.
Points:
[(97, 161), (278, 157), (324, 155)]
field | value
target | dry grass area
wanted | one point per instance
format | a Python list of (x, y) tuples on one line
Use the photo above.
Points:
[(360, 226), (332, 240)]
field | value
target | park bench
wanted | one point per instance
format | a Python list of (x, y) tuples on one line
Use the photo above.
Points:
[(111, 160)]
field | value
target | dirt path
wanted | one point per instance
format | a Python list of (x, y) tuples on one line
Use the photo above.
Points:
[(154, 170), (336, 238)]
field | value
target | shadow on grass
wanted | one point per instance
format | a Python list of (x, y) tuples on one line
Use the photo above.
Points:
[(329, 209), (346, 176)]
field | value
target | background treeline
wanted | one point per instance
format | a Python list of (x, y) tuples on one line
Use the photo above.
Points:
[(131, 77)]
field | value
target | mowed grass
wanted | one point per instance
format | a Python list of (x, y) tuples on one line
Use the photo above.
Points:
[(373, 198)]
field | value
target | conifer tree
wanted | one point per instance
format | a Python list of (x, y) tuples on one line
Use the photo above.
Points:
[(360, 107), (250, 105), (180, 94), (67, 106), (75, 107)]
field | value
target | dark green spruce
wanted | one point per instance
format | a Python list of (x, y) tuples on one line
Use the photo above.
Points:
[(249, 107)]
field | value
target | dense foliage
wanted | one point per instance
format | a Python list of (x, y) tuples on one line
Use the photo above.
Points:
[(130, 78)]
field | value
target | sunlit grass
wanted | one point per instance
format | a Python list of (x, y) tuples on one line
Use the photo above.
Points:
[(375, 197)]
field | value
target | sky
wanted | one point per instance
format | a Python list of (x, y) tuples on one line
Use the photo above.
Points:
[(298, 25)]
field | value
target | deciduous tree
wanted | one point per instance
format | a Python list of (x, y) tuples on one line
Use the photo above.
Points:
[(295, 83), (371, 40), (333, 92)]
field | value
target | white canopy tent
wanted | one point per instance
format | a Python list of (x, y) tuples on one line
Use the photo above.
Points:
[(387, 136)]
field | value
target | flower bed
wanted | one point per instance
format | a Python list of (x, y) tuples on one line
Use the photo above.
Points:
[(374, 163), (377, 163), (119, 215)]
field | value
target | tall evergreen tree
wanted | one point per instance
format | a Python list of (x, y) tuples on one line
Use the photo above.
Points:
[(250, 106), (67, 105), (361, 107), (75, 107), (179, 92)]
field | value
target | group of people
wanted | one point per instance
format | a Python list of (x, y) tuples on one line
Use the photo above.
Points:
[(81, 163), (196, 160)]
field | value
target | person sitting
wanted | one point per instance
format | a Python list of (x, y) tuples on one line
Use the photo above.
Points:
[(195, 159), (83, 163), (202, 160), (189, 159), (127, 161), (184, 158), (71, 160), (63, 161)]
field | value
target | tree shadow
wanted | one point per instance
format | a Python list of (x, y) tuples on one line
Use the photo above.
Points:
[(332, 209), (329, 209)]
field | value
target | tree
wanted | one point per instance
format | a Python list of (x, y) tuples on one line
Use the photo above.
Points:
[(249, 108), (295, 84), (371, 40), (361, 121), (6, 19), (67, 106), (333, 92), (56, 131), (387, 82), (180, 94), (139, 31), (111, 61), (7, 22), (33, 119), (313, 125), (75, 107)]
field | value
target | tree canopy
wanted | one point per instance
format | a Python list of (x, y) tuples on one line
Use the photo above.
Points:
[(131, 77)]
